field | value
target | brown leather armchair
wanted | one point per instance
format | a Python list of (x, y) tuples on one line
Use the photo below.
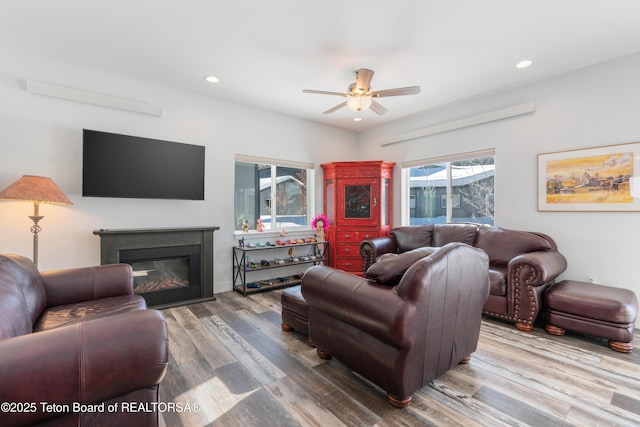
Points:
[(400, 336), (75, 344)]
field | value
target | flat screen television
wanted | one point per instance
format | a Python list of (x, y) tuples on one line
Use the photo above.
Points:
[(125, 166)]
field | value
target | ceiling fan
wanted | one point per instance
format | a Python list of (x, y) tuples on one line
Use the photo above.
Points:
[(360, 97)]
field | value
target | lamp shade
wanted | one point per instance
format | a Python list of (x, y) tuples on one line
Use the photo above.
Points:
[(359, 102), (38, 189)]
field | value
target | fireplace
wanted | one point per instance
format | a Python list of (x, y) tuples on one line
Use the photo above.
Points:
[(165, 275), (170, 266)]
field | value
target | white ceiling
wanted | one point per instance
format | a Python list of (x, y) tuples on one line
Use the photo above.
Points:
[(266, 52)]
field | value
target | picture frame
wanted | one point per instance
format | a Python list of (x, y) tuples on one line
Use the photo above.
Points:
[(605, 178)]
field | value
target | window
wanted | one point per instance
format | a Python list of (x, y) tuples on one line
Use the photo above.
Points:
[(276, 192), (450, 189)]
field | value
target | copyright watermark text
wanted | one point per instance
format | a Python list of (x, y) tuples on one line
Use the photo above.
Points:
[(60, 408)]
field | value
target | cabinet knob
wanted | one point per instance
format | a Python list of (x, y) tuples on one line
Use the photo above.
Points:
[(347, 264), (348, 236), (347, 250)]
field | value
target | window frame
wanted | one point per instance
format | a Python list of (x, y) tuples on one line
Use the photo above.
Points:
[(405, 190), (274, 164)]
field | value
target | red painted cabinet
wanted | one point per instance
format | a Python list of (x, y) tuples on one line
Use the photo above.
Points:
[(357, 202)]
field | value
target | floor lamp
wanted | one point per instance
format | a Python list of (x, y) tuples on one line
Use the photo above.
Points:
[(36, 189)]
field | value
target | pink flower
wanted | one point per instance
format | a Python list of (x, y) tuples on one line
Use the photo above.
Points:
[(320, 217)]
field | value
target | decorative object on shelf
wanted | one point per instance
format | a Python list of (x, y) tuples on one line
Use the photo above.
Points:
[(591, 179), (320, 223), (36, 189), (283, 233), (260, 225), (245, 225)]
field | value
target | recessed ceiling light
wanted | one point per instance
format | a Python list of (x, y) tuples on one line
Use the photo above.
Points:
[(524, 64), (212, 79), (357, 119)]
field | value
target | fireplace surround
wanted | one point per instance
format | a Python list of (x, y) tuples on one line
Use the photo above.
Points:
[(172, 266)]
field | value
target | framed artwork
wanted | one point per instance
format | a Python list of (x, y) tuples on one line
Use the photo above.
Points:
[(592, 179)]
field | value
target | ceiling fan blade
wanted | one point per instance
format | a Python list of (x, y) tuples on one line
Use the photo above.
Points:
[(323, 92), (363, 82), (337, 107), (377, 108), (411, 90)]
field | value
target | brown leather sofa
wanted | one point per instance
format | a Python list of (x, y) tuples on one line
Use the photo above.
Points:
[(522, 265), (400, 334), (77, 347)]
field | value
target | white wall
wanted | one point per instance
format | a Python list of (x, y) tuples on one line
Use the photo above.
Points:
[(592, 107), (43, 136)]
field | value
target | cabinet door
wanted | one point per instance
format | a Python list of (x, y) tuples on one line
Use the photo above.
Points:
[(358, 201), (329, 201)]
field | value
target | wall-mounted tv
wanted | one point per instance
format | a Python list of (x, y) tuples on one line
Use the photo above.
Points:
[(125, 166)]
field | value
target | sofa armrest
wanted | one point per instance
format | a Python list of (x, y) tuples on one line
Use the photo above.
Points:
[(537, 268), (373, 308), (528, 277), (72, 285), (86, 363), (371, 249)]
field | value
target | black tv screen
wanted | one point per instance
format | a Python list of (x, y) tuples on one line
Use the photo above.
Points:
[(116, 165)]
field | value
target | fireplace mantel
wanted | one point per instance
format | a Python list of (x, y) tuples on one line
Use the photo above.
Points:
[(113, 241), (103, 231)]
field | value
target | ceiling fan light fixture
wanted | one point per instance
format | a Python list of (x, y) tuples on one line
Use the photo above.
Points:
[(359, 96), (359, 102)]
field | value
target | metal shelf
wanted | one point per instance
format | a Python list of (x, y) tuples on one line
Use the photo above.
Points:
[(240, 270)]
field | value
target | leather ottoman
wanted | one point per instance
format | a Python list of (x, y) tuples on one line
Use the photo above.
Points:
[(295, 311), (603, 311)]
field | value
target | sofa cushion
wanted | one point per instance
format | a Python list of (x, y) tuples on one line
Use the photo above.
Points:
[(22, 296), (412, 237), (503, 245), (391, 267), (498, 281), (64, 315), (448, 233)]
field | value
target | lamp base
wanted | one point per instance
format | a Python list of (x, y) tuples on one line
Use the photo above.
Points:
[(35, 229)]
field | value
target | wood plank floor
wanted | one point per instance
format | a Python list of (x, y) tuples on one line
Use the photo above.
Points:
[(232, 365)]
